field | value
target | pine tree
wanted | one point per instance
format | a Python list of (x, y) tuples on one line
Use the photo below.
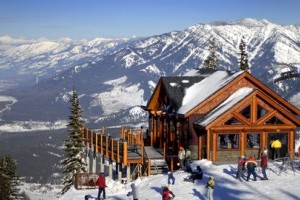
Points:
[(73, 146), (243, 62), (9, 179), (211, 61)]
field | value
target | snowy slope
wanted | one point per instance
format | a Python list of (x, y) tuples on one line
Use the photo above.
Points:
[(284, 186)]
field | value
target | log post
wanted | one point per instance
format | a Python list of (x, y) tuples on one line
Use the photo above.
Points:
[(125, 149), (128, 173), (149, 167)]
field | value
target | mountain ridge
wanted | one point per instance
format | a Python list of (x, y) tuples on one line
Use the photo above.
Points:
[(140, 62)]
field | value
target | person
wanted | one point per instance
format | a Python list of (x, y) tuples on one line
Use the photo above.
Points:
[(264, 165), (134, 192), (166, 193), (197, 174), (171, 178), (251, 165), (181, 157), (240, 167), (276, 145), (101, 184), (210, 188), (188, 159)]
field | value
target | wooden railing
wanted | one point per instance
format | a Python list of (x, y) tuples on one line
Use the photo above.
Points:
[(115, 149)]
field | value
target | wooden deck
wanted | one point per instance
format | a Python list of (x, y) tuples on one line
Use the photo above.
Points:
[(126, 150), (152, 153)]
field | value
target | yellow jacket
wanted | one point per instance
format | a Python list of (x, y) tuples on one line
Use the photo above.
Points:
[(276, 144)]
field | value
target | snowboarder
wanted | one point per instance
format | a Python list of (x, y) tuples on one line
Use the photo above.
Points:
[(251, 165), (166, 193), (134, 192), (210, 188), (181, 157), (264, 165), (101, 184), (197, 174), (171, 178), (240, 167)]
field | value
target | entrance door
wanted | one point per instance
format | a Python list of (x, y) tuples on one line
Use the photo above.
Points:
[(283, 138)]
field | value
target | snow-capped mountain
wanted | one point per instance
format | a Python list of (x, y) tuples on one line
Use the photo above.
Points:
[(115, 77)]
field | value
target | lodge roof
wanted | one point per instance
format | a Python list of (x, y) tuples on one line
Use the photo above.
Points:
[(230, 102), (176, 87)]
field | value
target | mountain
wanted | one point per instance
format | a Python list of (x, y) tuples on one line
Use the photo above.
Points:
[(115, 77)]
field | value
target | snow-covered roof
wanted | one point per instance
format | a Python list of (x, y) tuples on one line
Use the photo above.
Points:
[(200, 91), (231, 101)]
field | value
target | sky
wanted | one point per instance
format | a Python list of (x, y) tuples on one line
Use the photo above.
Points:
[(88, 19)]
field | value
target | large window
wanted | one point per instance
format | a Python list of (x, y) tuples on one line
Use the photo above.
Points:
[(228, 141), (253, 140)]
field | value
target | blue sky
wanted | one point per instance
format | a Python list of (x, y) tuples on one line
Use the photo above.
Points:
[(89, 19)]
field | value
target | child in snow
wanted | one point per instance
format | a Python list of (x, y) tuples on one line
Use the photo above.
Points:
[(210, 188), (264, 165), (171, 178), (101, 184), (134, 192), (166, 193), (240, 167), (251, 165)]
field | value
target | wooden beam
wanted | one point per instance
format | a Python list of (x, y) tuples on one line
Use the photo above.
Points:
[(254, 110), (208, 144), (214, 147), (242, 142), (125, 153), (254, 128)]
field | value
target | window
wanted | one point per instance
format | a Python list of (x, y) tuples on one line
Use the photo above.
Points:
[(233, 121), (228, 141), (261, 112), (274, 120), (253, 140), (246, 112)]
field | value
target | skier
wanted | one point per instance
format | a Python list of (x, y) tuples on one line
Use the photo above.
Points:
[(166, 193), (240, 167), (251, 165), (134, 192), (264, 165), (210, 188), (101, 184)]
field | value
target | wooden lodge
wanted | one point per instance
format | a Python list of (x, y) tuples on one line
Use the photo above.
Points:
[(220, 116)]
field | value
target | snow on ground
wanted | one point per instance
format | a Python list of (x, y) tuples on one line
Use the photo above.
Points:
[(285, 186)]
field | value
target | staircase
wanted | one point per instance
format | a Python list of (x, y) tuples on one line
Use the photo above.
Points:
[(154, 161)]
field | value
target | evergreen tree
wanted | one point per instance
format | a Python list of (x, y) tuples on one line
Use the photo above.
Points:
[(74, 145), (243, 62), (211, 61), (9, 179)]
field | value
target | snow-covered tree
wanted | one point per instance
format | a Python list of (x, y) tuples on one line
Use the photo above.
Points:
[(211, 61), (9, 179), (74, 145), (243, 61)]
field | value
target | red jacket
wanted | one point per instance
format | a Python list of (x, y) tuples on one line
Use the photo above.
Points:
[(166, 194), (264, 160), (101, 181)]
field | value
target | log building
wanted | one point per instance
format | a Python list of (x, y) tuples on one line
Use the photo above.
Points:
[(220, 116)]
